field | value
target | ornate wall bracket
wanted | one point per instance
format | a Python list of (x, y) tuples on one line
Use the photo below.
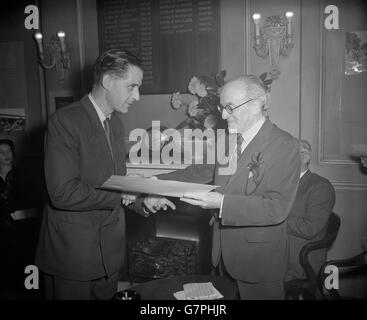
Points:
[(274, 39), (55, 54)]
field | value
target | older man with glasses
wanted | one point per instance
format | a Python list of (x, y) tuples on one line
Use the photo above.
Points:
[(251, 206)]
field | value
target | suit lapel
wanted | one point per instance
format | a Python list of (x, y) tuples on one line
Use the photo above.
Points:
[(96, 122), (117, 141), (305, 180)]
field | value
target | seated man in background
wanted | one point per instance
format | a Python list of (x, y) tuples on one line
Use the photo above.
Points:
[(309, 216)]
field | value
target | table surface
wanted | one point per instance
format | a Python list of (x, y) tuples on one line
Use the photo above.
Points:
[(163, 289)]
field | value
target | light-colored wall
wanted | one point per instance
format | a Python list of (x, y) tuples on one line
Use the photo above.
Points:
[(285, 91)]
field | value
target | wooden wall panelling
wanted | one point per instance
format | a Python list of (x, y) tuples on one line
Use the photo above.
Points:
[(318, 88)]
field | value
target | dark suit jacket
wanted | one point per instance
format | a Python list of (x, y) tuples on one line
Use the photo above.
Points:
[(252, 233), (83, 228), (308, 221)]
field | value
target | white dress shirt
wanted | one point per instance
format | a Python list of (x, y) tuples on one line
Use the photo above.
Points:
[(302, 173), (247, 136), (250, 134)]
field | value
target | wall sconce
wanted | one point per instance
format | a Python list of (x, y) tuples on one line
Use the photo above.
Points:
[(56, 51), (274, 39)]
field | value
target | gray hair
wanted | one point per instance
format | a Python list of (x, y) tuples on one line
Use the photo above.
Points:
[(252, 84), (304, 144)]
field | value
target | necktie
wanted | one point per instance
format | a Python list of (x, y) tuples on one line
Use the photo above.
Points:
[(240, 141), (107, 130)]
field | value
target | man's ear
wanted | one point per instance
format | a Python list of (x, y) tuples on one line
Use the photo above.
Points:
[(256, 108), (107, 80), (306, 158)]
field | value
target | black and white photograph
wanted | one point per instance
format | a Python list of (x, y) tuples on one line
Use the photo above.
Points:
[(166, 150)]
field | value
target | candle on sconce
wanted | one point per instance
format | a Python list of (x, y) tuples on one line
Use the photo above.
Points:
[(38, 37), (289, 16), (256, 18), (61, 35)]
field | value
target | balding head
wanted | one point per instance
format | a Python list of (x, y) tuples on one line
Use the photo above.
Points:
[(304, 145), (248, 86), (305, 151), (246, 96)]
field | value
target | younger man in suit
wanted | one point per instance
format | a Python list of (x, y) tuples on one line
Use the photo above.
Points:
[(81, 245), (309, 216)]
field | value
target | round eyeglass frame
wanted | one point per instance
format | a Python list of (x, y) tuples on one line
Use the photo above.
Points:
[(230, 109)]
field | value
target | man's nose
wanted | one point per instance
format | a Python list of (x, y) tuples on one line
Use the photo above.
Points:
[(136, 94)]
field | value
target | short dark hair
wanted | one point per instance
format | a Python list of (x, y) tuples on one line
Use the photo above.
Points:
[(9, 143), (116, 62)]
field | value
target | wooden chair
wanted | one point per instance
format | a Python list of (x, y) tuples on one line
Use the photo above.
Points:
[(305, 289), (351, 272)]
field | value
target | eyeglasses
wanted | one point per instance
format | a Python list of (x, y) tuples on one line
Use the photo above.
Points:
[(228, 107)]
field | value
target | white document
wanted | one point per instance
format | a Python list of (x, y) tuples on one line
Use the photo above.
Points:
[(154, 186), (198, 291)]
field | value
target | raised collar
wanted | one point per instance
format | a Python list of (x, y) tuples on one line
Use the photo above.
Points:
[(100, 114), (250, 134)]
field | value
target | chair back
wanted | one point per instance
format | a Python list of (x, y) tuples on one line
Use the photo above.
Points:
[(332, 229), (355, 267)]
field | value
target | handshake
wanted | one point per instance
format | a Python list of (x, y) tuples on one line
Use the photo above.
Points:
[(153, 203), (150, 203)]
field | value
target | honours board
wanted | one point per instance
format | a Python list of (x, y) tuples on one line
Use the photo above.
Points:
[(176, 39)]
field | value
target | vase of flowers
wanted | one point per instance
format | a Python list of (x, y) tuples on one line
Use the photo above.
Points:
[(201, 111)]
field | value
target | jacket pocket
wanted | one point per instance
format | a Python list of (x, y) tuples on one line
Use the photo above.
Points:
[(267, 234)]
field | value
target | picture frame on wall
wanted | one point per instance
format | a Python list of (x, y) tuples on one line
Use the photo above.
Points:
[(59, 99)]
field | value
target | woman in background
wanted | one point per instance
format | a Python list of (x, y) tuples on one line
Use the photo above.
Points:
[(19, 196)]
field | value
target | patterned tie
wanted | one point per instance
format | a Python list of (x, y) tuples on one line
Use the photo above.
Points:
[(107, 130)]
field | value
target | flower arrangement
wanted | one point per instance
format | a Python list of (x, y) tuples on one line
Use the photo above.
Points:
[(202, 110)]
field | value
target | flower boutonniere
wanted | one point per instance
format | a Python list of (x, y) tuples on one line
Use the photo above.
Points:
[(256, 167)]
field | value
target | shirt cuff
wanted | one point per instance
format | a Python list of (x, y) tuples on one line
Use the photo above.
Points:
[(220, 210)]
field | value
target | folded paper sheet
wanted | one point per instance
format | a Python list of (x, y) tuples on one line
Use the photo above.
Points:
[(154, 186), (198, 291)]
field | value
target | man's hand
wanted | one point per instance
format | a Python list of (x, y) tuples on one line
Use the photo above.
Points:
[(156, 203), (128, 198), (364, 161), (210, 200)]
